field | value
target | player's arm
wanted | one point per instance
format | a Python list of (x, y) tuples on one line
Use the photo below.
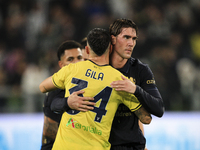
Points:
[(141, 126), (142, 129), (47, 85), (149, 98), (50, 129), (143, 115), (74, 101)]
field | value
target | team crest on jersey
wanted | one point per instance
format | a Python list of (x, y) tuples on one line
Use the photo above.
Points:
[(132, 80)]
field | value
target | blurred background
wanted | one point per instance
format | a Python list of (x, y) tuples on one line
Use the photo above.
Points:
[(31, 31)]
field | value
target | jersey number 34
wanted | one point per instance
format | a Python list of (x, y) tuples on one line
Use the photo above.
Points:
[(104, 96)]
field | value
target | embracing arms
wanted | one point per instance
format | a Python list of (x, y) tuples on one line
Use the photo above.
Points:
[(72, 102), (150, 99)]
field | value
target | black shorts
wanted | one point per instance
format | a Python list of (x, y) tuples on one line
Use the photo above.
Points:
[(127, 147), (47, 146)]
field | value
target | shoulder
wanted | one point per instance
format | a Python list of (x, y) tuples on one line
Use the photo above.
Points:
[(79, 65), (139, 64), (114, 70), (74, 65)]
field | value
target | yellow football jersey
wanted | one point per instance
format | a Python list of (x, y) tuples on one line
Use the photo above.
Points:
[(91, 129)]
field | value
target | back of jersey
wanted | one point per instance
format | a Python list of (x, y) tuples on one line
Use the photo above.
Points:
[(90, 130)]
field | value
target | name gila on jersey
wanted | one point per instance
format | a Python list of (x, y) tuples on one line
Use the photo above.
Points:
[(94, 75)]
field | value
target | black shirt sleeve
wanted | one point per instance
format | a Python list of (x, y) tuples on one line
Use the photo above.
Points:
[(60, 105), (47, 104), (151, 100), (148, 94)]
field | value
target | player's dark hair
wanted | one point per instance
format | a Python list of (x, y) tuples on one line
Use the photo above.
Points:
[(99, 40), (83, 42), (67, 45), (117, 26)]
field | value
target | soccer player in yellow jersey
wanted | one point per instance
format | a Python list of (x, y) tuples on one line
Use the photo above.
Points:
[(90, 130)]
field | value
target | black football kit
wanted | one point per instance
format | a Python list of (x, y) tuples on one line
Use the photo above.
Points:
[(125, 131)]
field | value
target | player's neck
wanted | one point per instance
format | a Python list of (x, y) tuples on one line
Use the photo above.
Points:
[(117, 61), (100, 60)]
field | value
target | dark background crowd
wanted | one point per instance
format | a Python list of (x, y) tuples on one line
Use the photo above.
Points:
[(32, 30)]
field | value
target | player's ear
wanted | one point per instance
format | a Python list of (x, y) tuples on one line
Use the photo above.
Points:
[(87, 49), (113, 39), (60, 64)]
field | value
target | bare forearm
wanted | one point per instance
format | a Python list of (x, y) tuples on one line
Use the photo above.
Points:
[(47, 85), (143, 115), (50, 129)]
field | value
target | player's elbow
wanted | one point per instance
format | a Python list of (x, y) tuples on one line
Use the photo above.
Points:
[(143, 115), (42, 89), (146, 120), (161, 112)]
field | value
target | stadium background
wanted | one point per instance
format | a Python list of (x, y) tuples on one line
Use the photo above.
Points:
[(169, 41)]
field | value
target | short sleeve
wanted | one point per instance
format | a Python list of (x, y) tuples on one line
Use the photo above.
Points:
[(59, 77), (131, 101)]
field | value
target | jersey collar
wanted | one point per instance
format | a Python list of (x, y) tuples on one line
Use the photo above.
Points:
[(125, 68), (97, 64)]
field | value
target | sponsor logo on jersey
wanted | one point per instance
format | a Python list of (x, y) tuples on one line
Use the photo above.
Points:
[(148, 81), (151, 81), (70, 121), (82, 127), (132, 80)]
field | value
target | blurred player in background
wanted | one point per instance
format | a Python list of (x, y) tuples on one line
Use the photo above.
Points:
[(68, 52), (125, 133)]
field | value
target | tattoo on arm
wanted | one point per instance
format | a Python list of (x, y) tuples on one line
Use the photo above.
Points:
[(143, 115), (49, 130)]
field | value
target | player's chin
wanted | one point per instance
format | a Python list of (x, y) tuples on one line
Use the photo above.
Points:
[(127, 56)]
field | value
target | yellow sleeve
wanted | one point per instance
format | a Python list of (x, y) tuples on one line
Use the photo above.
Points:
[(131, 101), (59, 77)]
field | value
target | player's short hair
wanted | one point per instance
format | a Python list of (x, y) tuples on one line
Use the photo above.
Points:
[(83, 42), (99, 40), (67, 45), (117, 26)]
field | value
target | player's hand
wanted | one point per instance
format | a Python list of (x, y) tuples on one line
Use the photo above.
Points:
[(124, 85), (80, 103)]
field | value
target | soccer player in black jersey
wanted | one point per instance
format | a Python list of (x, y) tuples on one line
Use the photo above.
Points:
[(125, 132), (68, 52)]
